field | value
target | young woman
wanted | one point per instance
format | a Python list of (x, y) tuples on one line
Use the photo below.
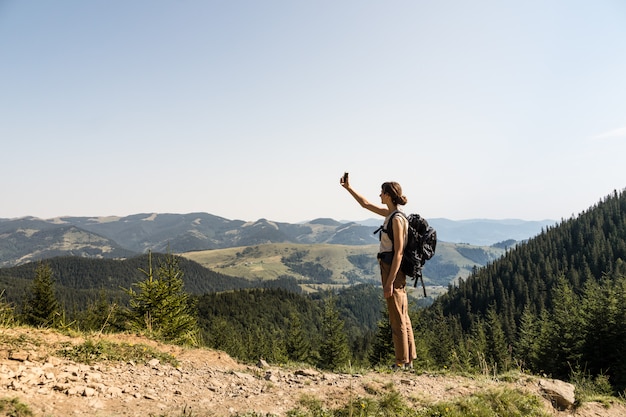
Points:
[(392, 277)]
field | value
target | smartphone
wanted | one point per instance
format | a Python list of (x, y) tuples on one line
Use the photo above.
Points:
[(345, 177)]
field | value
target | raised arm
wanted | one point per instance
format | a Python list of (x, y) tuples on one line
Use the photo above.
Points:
[(363, 202)]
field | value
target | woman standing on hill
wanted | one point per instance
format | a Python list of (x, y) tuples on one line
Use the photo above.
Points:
[(392, 277)]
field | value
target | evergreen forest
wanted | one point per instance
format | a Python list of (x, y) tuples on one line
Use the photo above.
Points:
[(554, 305)]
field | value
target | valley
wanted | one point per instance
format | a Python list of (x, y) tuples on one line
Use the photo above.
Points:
[(326, 265)]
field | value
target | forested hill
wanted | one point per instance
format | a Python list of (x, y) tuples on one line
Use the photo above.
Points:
[(559, 300), (78, 280), (579, 249)]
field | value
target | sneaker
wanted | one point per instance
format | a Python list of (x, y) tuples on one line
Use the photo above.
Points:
[(402, 366), (397, 367)]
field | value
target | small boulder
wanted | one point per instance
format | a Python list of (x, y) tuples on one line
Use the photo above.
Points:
[(311, 373), (560, 394)]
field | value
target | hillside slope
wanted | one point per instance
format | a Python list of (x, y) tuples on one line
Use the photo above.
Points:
[(29, 240), (207, 382), (78, 280), (555, 304), (578, 250), (338, 264)]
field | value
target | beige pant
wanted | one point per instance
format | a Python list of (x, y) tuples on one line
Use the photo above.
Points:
[(399, 320)]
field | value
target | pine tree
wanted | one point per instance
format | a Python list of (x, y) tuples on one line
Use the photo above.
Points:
[(223, 335), (298, 346), (100, 315), (438, 330), (334, 350), (496, 341), (41, 308), (257, 343), (476, 344), (603, 309), (527, 344), (161, 307), (7, 312), (560, 336), (382, 351)]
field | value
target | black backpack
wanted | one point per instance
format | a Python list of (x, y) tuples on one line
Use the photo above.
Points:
[(420, 246)]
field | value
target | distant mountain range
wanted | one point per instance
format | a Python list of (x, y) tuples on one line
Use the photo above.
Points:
[(480, 232), (484, 232), (29, 239)]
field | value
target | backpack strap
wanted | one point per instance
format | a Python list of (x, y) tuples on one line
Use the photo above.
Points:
[(389, 229)]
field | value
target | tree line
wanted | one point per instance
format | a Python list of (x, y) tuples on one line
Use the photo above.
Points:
[(277, 323), (555, 304)]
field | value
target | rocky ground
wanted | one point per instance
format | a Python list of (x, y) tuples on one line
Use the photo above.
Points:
[(209, 383)]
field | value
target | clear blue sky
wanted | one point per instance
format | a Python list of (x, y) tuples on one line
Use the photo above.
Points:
[(253, 109)]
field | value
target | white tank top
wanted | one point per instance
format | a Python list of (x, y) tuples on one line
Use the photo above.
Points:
[(386, 245)]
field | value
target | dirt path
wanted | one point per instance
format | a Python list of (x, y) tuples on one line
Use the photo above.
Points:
[(205, 383)]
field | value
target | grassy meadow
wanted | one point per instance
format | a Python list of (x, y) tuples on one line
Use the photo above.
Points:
[(339, 264)]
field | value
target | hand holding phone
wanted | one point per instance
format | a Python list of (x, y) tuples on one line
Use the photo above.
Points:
[(344, 180)]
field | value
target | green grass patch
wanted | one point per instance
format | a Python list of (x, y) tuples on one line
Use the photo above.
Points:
[(89, 352), (13, 408), (20, 340), (491, 403), (592, 388), (388, 404)]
